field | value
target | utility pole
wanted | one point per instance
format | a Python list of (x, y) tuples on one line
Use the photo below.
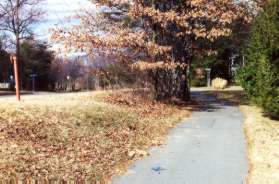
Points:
[(14, 60)]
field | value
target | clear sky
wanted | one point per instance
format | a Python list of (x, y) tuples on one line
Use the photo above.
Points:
[(56, 13)]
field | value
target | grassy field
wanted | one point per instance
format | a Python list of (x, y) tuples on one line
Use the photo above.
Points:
[(79, 136), (263, 146)]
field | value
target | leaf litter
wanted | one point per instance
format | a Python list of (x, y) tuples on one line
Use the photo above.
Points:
[(85, 136)]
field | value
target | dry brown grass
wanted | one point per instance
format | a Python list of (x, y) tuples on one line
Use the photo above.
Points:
[(263, 146), (78, 136)]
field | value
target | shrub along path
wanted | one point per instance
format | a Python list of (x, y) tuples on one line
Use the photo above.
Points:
[(208, 148)]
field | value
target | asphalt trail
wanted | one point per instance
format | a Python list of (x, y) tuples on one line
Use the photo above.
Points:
[(208, 148)]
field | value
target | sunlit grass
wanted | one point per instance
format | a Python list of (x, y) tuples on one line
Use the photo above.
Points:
[(263, 146)]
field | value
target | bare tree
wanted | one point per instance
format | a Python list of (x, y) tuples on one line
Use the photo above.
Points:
[(17, 17)]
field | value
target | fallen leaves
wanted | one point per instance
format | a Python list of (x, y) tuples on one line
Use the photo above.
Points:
[(141, 102), (139, 153), (79, 136)]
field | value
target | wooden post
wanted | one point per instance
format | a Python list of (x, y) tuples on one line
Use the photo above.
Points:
[(15, 63), (208, 72)]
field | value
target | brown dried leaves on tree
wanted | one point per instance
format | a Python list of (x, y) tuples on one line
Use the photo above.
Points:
[(203, 19), (152, 32)]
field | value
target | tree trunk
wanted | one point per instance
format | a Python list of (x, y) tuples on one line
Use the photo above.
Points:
[(17, 35), (169, 84)]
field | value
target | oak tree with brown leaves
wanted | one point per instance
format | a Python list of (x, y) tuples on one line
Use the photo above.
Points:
[(158, 37)]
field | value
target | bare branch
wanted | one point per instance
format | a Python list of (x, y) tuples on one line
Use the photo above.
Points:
[(17, 16)]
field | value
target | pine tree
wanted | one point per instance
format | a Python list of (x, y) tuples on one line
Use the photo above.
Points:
[(260, 76)]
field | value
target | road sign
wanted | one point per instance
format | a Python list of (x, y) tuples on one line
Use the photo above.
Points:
[(33, 75)]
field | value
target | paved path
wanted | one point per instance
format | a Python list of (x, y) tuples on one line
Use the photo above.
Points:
[(209, 148)]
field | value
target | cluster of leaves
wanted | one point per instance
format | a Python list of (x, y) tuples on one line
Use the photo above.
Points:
[(260, 75), (58, 138), (141, 100)]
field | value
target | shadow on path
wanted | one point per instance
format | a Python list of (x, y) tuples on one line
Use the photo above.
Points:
[(207, 148)]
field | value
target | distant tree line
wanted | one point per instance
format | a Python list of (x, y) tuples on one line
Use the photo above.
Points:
[(5, 65), (35, 58), (55, 73), (17, 17)]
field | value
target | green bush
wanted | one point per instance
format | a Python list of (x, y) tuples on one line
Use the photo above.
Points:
[(260, 76)]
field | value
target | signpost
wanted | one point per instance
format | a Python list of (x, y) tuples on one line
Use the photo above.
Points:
[(14, 60), (208, 72), (68, 88), (33, 77)]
